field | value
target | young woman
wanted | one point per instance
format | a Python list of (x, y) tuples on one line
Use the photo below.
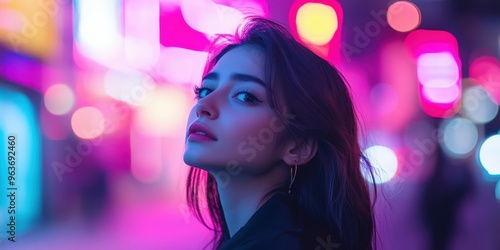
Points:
[(273, 147)]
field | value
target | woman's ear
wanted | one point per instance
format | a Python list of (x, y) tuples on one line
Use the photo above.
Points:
[(300, 152)]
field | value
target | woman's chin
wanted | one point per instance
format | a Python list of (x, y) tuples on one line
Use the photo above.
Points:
[(196, 161), (190, 159)]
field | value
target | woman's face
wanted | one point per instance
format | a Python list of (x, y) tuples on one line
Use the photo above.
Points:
[(233, 106)]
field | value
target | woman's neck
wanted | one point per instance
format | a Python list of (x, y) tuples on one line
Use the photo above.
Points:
[(242, 197), (239, 205)]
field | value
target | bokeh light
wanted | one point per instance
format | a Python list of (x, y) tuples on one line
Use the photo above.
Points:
[(163, 112), (128, 85), (440, 83), (59, 99), (431, 41), (489, 155), (438, 70), (30, 29), (478, 106), (384, 162), (316, 23), (460, 136), (438, 73), (98, 29), (87, 122), (403, 16)]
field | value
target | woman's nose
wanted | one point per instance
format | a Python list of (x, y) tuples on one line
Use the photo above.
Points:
[(205, 109)]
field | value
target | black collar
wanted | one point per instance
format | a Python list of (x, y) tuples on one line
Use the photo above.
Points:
[(279, 216)]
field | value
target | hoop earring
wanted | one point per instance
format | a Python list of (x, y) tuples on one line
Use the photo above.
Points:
[(293, 174)]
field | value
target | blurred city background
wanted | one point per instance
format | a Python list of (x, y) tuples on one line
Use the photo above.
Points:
[(97, 92)]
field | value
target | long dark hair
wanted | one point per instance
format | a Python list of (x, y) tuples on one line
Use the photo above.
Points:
[(331, 187)]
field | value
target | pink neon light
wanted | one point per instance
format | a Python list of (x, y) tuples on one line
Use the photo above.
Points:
[(178, 65), (438, 71), (431, 41)]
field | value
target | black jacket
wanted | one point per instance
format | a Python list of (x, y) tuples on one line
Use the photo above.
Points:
[(280, 224)]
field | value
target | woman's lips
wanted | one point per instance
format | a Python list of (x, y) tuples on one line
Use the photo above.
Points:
[(199, 137), (200, 132)]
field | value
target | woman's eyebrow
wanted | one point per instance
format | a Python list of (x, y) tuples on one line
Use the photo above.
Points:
[(235, 77)]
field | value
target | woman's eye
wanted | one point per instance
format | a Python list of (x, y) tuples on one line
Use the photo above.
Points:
[(244, 96), (247, 97), (201, 92)]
